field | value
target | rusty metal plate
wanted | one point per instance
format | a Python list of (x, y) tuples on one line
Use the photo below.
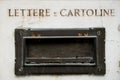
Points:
[(60, 51)]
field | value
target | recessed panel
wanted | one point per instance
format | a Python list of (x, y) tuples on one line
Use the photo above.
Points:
[(60, 51)]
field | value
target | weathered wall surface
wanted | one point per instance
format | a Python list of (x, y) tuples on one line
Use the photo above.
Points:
[(8, 24)]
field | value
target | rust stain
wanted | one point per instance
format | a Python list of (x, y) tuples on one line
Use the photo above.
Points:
[(38, 34), (32, 34), (79, 34), (85, 34)]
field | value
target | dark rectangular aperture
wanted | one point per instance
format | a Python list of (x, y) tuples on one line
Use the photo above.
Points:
[(60, 51)]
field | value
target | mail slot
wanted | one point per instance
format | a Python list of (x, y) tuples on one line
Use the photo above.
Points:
[(60, 51)]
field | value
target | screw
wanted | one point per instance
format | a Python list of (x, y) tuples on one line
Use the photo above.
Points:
[(99, 68), (21, 69), (98, 33)]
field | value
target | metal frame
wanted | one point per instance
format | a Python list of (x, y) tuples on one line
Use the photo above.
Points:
[(22, 69)]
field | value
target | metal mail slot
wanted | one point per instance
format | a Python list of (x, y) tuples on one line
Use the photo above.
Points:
[(60, 51)]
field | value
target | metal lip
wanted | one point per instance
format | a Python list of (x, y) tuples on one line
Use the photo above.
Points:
[(61, 64), (37, 37)]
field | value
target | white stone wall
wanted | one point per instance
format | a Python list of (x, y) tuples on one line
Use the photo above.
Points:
[(8, 24)]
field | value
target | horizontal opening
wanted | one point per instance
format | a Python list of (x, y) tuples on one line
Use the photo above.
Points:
[(60, 51)]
